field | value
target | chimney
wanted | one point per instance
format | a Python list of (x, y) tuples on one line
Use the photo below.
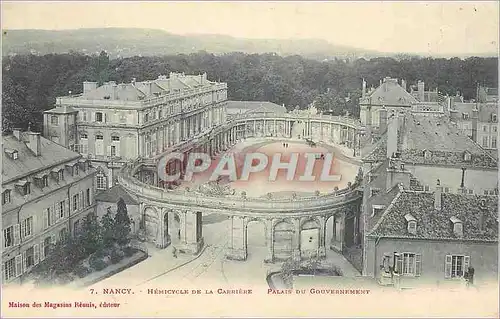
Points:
[(34, 143), (397, 174), (133, 81), (437, 195), (114, 90), (392, 134), (383, 120), (89, 86), (363, 88), (474, 119), (421, 90), (403, 84), (17, 133)]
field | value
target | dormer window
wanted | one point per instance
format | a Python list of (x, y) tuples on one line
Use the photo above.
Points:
[(427, 154), (457, 226), (60, 174), (411, 224), (494, 117), (23, 187), (6, 197), (45, 181), (465, 116), (76, 170), (374, 191), (13, 154), (377, 210), (467, 156)]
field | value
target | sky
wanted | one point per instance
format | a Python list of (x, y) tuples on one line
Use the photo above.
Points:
[(448, 27)]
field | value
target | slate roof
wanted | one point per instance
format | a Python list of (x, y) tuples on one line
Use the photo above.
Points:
[(435, 134), (61, 110), (389, 93), (27, 163), (238, 107), (113, 194), (124, 92), (434, 224), (484, 110)]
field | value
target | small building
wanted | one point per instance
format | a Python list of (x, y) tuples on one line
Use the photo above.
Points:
[(46, 191), (107, 202), (428, 238), (238, 108)]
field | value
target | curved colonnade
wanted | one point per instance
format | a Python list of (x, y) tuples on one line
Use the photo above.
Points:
[(295, 227)]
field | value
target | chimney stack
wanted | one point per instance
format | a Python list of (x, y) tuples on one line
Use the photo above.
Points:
[(17, 133), (392, 134), (133, 81), (421, 90), (403, 84), (474, 119), (34, 143), (89, 86), (363, 88), (437, 195)]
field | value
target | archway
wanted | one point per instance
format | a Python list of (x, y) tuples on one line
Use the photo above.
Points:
[(329, 230), (309, 238), (166, 236), (177, 228), (283, 240), (255, 238)]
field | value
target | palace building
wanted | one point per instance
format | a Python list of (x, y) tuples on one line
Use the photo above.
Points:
[(115, 123), (46, 191)]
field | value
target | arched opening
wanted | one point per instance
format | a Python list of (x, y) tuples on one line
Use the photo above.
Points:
[(256, 238), (283, 240), (330, 230), (309, 239)]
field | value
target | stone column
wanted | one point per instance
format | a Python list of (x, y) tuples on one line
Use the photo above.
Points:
[(237, 248), (269, 241), (296, 255), (177, 132), (322, 237), (188, 242), (141, 144)]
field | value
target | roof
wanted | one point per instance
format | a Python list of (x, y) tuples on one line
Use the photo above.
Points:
[(433, 224), (485, 110), (27, 163), (124, 92), (389, 93), (447, 145), (113, 194), (61, 110), (237, 107)]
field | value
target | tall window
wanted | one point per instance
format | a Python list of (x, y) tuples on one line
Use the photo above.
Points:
[(101, 181), (9, 269), (61, 209), (76, 200), (408, 264), (8, 236), (62, 234), (45, 181), (6, 197), (54, 120), (485, 141), (27, 227), (99, 144), (493, 142), (98, 117), (76, 169), (29, 257), (456, 266), (60, 174), (46, 246), (87, 198), (49, 217)]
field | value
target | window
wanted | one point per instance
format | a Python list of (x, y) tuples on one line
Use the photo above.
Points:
[(45, 181), (84, 116), (9, 269), (76, 201), (27, 227), (485, 128), (408, 264), (494, 118), (374, 191), (54, 120), (465, 116), (101, 181), (62, 234), (98, 117), (427, 154), (47, 242), (113, 150), (61, 209), (377, 210), (60, 174), (115, 138), (493, 142), (456, 266), (485, 141), (84, 136), (160, 114), (87, 198), (76, 169), (29, 257), (446, 189), (412, 227), (146, 117), (6, 197), (470, 191), (467, 156), (49, 217), (8, 236), (494, 128)]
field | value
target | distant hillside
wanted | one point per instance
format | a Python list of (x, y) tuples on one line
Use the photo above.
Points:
[(123, 42)]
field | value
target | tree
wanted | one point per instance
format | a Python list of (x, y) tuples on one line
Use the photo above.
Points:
[(90, 235), (122, 223), (108, 230), (287, 271)]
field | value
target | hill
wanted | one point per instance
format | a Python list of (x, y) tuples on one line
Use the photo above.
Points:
[(124, 42)]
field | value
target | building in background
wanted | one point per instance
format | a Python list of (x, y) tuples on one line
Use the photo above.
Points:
[(46, 191), (114, 123), (242, 108)]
